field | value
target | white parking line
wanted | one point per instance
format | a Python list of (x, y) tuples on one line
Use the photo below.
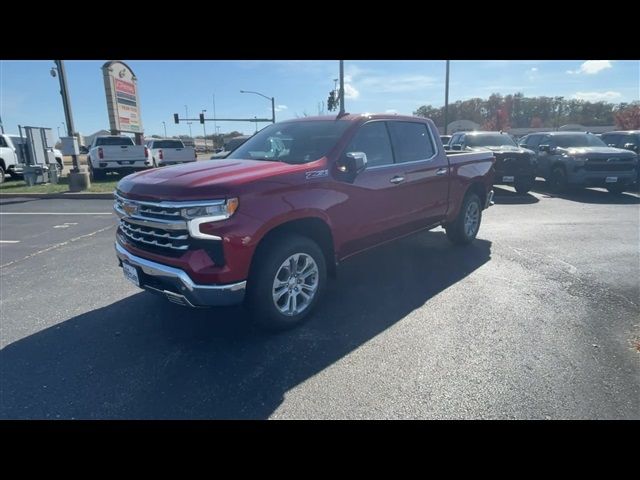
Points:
[(56, 213), (9, 241)]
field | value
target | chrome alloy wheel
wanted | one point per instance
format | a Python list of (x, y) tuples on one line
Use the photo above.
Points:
[(295, 284), (471, 219)]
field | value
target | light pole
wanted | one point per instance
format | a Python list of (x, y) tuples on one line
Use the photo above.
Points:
[(204, 129), (215, 125), (165, 129), (58, 127), (186, 110), (341, 88), (273, 104), (60, 72), (446, 100)]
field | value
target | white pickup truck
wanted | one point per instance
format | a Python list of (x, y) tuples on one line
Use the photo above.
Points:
[(12, 157), (170, 152), (116, 154)]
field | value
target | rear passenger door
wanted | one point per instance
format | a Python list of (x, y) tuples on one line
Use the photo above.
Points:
[(424, 185)]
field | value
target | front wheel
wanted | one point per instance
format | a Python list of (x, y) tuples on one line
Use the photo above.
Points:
[(523, 185), (287, 281), (1, 174), (465, 227)]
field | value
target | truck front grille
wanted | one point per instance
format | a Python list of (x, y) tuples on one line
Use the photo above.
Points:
[(161, 228), (609, 165)]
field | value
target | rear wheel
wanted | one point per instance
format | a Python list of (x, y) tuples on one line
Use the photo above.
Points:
[(616, 189), (95, 174), (465, 227), (287, 281), (558, 180), (1, 174)]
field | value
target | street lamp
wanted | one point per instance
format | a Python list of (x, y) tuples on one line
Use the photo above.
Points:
[(204, 129), (59, 71), (165, 128), (273, 103)]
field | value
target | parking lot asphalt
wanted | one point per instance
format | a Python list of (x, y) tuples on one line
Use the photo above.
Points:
[(536, 319)]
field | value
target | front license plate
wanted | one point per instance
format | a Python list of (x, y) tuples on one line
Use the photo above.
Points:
[(131, 273), (611, 179), (507, 179)]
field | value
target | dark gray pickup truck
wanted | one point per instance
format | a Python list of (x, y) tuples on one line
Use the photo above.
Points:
[(580, 159)]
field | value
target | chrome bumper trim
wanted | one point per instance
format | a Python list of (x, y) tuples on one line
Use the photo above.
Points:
[(195, 295)]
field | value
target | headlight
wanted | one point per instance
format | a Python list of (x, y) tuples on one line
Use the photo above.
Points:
[(215, 211)]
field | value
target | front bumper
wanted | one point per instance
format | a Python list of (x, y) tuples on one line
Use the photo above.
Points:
[(177, 286)]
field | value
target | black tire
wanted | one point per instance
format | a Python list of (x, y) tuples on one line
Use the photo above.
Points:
[(59, 166), (616, 189), (154, 164), (558, 180), (1, 174), (270, 257), (456, 231), (523, 185), (95, 175)]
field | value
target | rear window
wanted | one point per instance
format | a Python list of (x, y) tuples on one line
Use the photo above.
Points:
[(168, 144), (114, 141)]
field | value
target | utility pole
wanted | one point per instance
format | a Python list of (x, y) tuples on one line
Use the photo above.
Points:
[(215, 125), (165, 129), (204, 129), (66, 103), (446, 100), (186, 110), (341, 88)]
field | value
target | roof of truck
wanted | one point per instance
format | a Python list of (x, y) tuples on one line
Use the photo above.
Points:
[(355, 117)]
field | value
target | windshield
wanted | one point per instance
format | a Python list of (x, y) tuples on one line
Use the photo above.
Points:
[(114, 141), (292, 142), (578, 140), (494, 140), (168, 144)]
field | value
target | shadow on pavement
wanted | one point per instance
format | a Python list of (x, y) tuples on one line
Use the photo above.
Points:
[(588, 195), (503, 196), (143, 357)]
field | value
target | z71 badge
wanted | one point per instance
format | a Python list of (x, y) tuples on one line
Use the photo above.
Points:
[(316, 174)]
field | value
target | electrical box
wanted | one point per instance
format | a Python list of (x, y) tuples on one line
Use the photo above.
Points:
[(70, 146)]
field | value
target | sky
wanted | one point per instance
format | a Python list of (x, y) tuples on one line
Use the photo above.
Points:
[(30, 96)]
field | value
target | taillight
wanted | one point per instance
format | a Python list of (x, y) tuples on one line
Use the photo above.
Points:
[(160, 155), (100, 153), (146, 152)]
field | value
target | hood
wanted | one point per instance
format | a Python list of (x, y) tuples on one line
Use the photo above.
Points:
[(502, 148), (199, 180), (577, 151)]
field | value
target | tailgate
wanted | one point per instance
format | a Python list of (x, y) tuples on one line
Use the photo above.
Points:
[(123, 152), (178, 154)]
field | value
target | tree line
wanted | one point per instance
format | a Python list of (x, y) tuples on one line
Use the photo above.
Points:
[(517, 111)]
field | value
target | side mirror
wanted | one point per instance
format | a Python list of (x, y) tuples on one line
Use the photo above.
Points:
[(456, 146), (630, 146), (544, 148), (353, 163)]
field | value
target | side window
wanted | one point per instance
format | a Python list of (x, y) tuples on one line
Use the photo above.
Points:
[(611, 139), (373, 140), (455, 139), (2, 142), (411, 141), (544, 140)]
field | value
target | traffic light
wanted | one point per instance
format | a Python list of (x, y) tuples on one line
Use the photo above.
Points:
[(331, 101), (202, 118), (175, 118)]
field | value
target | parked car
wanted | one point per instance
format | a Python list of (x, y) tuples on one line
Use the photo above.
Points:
[(268, 226), (581, 160), (626, 139), (170, 152), (514, 165), (445, 139), (229, 146), (113, 153)]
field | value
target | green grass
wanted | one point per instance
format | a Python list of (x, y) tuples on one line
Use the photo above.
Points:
[(19, 186)]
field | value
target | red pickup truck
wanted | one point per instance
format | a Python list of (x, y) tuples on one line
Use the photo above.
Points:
[(271, 222)]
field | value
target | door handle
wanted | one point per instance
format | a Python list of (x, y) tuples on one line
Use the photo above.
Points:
[(397, 179), (442, 171)]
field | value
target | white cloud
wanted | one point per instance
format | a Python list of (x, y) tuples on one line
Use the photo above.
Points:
[(280, 108), (591, 67), (597, 96), (532, 74), (391, 110), (534, 69), (350, 91)]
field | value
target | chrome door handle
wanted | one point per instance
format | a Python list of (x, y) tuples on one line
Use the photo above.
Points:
[(397, 179), (442, 171)]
